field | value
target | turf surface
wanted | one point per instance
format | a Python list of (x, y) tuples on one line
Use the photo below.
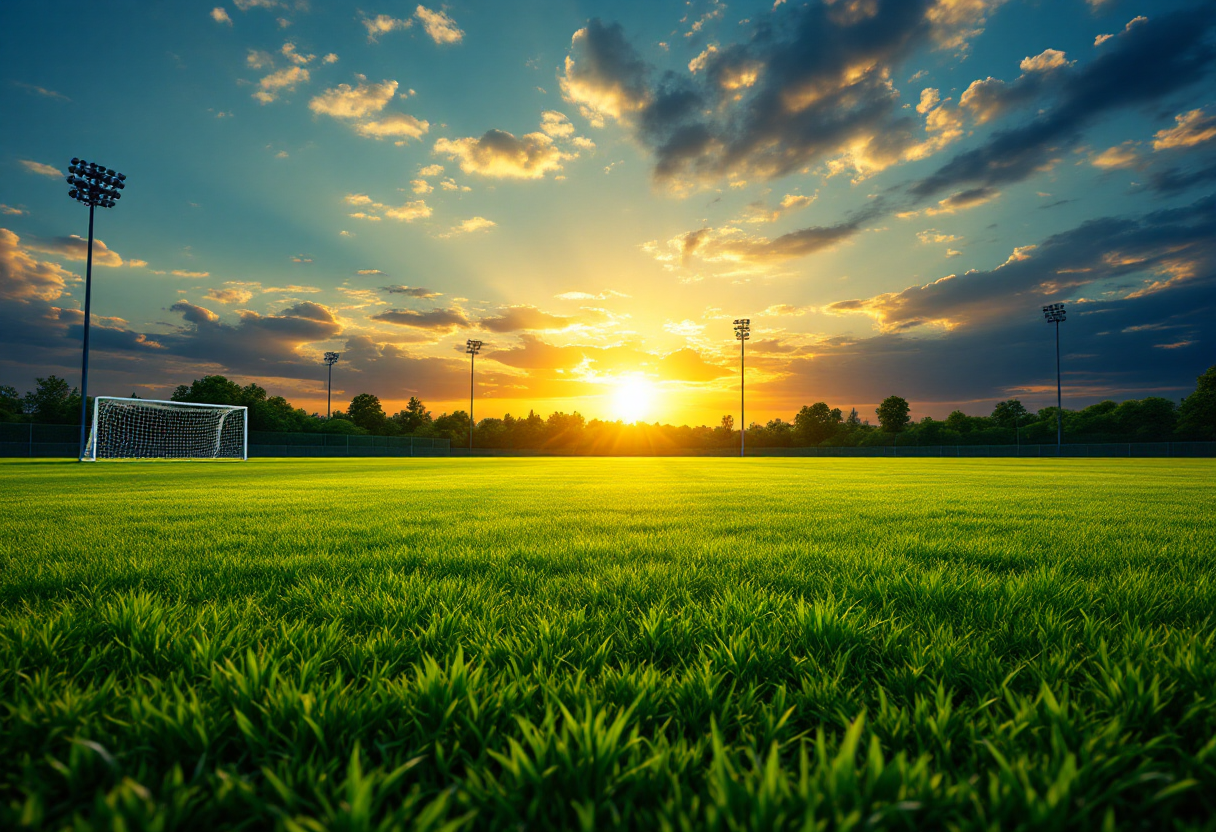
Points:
[(600, 643)]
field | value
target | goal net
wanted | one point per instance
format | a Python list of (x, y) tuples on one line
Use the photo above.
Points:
[(150, 429)]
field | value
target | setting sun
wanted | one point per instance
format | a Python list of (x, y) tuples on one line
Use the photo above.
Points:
[(633, 399)]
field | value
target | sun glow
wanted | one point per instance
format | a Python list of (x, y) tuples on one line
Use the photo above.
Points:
[(633, 399)]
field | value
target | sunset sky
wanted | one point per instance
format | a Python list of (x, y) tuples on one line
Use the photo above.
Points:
[(889, 190)]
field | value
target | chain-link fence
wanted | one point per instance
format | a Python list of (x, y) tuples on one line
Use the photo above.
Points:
[(34, 440)]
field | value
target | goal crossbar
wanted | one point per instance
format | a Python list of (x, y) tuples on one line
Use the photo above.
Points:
[(129, 428)]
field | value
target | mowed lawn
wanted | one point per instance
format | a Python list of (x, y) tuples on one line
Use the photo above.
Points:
[(603, 643)]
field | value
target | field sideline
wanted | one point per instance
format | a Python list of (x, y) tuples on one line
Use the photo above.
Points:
[(651, 643)]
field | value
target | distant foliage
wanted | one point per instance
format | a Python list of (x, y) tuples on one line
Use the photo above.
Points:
[(1152, 419)]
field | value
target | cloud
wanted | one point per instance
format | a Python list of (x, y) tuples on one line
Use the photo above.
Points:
[(347, 102), (265, 345), (811, 85), (932, 235), (604, 75), (394, 124), (289, 52), (688, 365), (39, 168), (76, 248), (963, 200), (555, 124), (279, 81), (734, 246), (521, 318), (421, 186), (185, 273), (374, 211), (785, 309), (229, 295), (1148, 62), (291, 289), (469, 226), (42, 91), (1164, 249), (246, 5), (410, 211), (500, 155), (361, 102), (9, 210), (22, 278), (1045, 61), (430, 170), (438, 26), (437, 320), (1120, 156), (410, 291), (220, 15), (382, 24), (605, 295), (371, 272), (1192, 128)]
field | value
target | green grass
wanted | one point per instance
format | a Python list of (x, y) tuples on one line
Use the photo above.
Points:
[(598, 643)]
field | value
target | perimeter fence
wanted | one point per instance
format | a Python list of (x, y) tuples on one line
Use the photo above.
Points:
[(1106, 449), (35, 440)]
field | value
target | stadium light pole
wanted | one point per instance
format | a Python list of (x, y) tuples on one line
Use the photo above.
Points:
[(743, 331), (472, 348), (1054, 314), (331, 358), (95, 186)]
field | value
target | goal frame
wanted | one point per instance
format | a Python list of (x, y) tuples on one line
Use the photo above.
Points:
[(89, 452)]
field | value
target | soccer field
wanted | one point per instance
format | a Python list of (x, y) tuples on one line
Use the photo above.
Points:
[(599, 643)]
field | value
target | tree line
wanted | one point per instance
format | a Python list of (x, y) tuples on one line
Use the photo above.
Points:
[(1152, 419)]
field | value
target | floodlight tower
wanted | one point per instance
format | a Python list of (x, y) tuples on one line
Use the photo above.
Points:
[(331, 358), (743, 331), (94, 186), (1054, 314), (472, 348)]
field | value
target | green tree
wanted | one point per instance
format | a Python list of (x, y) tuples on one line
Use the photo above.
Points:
[(893, 414), (414, 419), (53, 402), (366, 412), (1197, 415), (11, 407), (455, 427), (817, 423), (210, 390), (1010, 413)]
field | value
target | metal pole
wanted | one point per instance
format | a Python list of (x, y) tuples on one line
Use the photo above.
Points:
[(84, 369), (1059, 398), (742, 412), (472, 361), (329, 391)]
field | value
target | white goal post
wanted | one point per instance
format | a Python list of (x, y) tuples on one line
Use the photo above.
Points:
[(152, 429)]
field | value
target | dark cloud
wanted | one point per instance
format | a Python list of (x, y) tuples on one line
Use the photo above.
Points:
[(410, 291), (75, 248), (1161, 249), (811, 83), (439, 320), (1147, 63), (730, 245)]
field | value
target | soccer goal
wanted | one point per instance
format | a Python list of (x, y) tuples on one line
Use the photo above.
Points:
[(150, 429)]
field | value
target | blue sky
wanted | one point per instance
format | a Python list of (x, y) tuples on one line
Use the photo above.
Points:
[(889, 190)]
